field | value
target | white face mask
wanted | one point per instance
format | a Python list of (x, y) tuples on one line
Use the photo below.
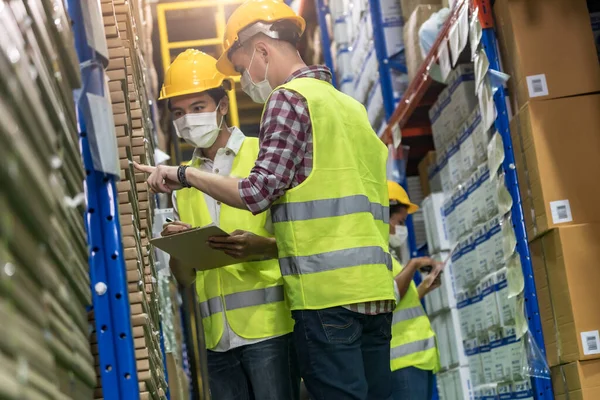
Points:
[(199, 129), (258, 92), (399, 238)]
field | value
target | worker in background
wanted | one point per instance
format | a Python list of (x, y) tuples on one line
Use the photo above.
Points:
[(414, 353), (322, 171), (247, 324)]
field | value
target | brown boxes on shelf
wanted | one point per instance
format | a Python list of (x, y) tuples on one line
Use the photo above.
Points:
[(577, 381), (412, 47), (409, 6), (429, 160), (565, 264), (548, 49), (557, 146)]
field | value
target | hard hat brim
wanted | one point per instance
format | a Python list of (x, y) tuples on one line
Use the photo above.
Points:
[(195, 90), (225, 66)]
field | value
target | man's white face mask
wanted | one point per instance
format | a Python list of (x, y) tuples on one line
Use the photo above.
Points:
[(258, 92), (199, 129), (399, 238)]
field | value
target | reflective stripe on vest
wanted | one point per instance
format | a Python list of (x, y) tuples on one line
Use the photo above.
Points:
[(326, 208), (414, 347), (407, 313), (238, 300), (413, 341), (332, 260)]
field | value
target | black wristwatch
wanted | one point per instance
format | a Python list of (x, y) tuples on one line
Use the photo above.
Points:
[(181, 176)]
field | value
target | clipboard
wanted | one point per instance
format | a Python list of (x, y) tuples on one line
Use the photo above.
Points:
[(191, 248)]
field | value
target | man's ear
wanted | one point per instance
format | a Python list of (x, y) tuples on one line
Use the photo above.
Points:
[(262, 48), (224, 105)]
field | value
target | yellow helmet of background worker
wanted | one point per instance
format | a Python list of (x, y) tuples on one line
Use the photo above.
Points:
[(192, 72), (259, 16), (398, 195)]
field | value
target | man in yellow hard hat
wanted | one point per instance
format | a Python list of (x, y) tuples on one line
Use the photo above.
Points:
[(247, 323), (414, 354), (322, 171)]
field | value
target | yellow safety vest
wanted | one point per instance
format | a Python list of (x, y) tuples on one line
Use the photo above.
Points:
[(250, 293), (332, 229), (413, 340)]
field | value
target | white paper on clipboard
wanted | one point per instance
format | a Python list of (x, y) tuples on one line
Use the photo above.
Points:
[(191, 248)]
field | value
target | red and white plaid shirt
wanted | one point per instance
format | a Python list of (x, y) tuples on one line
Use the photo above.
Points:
[(285, 157)]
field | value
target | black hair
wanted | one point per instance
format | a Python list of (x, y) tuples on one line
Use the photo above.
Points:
[(394, 208), (217, 94)]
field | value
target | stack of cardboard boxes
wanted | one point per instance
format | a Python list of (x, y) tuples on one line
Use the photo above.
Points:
[(127, 73), (549, 51)]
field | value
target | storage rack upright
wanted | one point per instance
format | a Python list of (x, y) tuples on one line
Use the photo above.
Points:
[(107, 266), (398, 115)]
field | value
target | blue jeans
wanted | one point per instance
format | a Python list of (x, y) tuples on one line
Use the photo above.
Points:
[(344, 355), (412, 384), (262, 371)]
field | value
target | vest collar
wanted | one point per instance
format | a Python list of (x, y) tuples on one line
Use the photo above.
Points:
[(234, 144)]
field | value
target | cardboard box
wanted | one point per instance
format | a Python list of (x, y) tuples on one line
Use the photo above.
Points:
[(426, 162), (556, 145), (548, 48), (412, 47), (566, 278), (409, 6), (577, 381)]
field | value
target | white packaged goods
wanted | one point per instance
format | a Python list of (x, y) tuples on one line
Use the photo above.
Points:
[(457, 266), (437, 237), (467, 151), (393, 25), (496, 349), (347, 86), (462, 382), (365, 78), (487, 362), (462, 209), (469, 262), (481, 137), (450, 216), (464, 313), (504, 391), (478, 313), (489, 196), (342, 30), (457, 350), (339, 8), (448, 289), (375, 105), (507, 307), (439, 121), (454, 162), (436, 129), (344, 63), (489, 391), (461, 84), (522, 390), (473, 184), (490, 302), (472, 352), (496, 242), (482, 247), (442, 160), (439, 327)]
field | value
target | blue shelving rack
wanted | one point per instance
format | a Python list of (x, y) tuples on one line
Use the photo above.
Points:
[(107, 265), (542, 388)]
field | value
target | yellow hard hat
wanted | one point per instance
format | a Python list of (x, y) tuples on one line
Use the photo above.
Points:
[(192, 72), (248, 14), (398, 195)]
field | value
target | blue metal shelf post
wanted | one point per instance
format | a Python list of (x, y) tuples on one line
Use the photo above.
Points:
[(542, 387), (322, 11), (107, 265)]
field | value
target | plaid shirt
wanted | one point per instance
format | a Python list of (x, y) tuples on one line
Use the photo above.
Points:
[(285, 157)]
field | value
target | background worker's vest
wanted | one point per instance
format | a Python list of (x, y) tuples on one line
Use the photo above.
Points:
[(332, 229), (413, 340), (250, 293)]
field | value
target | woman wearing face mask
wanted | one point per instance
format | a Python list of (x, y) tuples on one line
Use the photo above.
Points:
[(414, 355), (247, 324)]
